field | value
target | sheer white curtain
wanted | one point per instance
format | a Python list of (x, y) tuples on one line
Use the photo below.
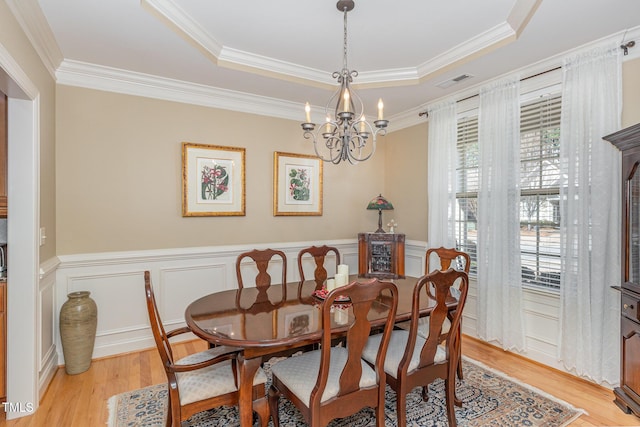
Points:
[(500, 316), (441, 163), (590, 214)]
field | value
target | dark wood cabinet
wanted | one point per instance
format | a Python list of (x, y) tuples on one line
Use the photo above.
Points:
[(627, 396), (381, 255)]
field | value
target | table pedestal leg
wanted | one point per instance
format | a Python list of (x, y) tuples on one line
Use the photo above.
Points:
[(248, 369)]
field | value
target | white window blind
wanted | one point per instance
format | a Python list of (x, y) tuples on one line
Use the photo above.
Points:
[(539, 201)]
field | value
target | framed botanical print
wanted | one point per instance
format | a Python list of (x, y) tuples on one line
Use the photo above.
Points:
[(213, 180), (297, 184)]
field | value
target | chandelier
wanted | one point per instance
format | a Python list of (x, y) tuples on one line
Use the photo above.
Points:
[(345, 134)]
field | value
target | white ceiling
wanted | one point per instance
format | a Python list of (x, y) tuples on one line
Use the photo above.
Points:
[(286, 50)]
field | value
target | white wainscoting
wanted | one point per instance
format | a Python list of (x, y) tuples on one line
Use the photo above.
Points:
[(542, 322), (182, 275), (179, 276), (47, 327)]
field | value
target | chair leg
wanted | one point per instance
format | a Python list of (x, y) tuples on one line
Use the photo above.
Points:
[(274, 397), (380, 419), (401, 408), (457, 401), (459, 339), (425, 393), (449, 388), (174, 418), (261, 406)]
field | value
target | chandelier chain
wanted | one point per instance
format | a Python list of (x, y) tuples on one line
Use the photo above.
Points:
[(344, 58)]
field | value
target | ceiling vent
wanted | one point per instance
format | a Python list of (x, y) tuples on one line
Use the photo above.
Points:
[(448, 83)]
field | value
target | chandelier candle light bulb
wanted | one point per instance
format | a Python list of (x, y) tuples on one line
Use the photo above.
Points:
[(380, 108), (347, 107), (307, 110)]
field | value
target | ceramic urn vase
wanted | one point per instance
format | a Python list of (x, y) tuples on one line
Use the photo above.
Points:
[(78, 322)]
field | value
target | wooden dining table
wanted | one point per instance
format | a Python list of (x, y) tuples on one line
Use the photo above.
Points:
[(282, 318)]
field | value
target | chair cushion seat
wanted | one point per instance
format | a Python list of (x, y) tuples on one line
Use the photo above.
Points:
[(397, 345), (423, 326), (300, 373), (211, 381)]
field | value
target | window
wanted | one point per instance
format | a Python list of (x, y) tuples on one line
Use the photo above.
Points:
[(540, 191)]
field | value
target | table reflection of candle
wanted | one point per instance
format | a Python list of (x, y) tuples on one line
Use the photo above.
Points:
[(343, 269), (341, 279), (341, 315), (331, 284)]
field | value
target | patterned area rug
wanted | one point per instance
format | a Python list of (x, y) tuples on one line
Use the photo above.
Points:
[(490, 398)]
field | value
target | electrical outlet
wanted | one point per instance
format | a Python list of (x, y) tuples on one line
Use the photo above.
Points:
[(43, 236)]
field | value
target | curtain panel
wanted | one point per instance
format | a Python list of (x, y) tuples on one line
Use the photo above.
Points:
[(441, 163), (500, 316), (590, 214)]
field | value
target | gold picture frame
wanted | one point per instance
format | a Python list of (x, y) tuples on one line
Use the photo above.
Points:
[(213, 180), (297, 184)]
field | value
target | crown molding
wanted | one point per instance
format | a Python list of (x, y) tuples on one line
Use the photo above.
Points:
[(188, 28), (247, 61), (73, 73), (546, 79), (468, 50), (522, 13), (385, 78), (30, 17), (174, 17)]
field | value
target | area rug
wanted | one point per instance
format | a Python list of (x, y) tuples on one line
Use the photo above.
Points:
[(490, 398)]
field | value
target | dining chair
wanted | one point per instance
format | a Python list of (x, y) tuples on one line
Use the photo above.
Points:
[(444, 257), (203, 380), (334, 381), (461, 261), (413, 360), (262, 258), (319, 254)]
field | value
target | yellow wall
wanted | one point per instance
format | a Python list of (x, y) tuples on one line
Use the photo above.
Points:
[(631, 91), (15, 42), (119, 177), (406, 180)]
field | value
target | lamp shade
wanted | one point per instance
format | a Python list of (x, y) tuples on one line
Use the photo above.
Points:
[(380, 203)]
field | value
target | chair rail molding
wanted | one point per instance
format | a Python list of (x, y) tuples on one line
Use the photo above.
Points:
[(180, 275)]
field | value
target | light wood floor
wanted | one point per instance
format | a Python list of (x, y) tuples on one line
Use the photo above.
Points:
[(81, 400)]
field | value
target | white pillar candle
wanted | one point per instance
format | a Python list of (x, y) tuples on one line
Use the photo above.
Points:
[(331, 284), (343, 269), (341, 280)]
